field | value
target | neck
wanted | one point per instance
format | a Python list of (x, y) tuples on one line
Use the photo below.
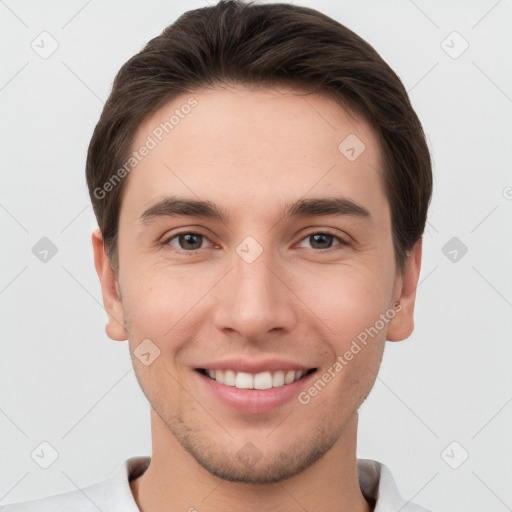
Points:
[(174, 481)]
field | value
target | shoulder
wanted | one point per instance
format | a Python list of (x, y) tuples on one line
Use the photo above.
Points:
[(110, 495), (377, 484), (79, 500)]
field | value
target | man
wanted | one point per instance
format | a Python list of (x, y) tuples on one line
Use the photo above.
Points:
[(285, 151)]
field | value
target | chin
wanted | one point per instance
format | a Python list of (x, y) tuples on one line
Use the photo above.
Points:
[(256, 462)]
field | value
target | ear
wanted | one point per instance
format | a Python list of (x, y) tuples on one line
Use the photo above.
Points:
[(402, 325), (115, 327)]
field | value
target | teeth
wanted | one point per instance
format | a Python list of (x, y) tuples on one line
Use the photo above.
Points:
[(243, 380), (264, 380), (229, 378), (288, 378), (278, 379)]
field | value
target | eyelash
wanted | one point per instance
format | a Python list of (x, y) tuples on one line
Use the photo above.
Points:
[(342, 243)]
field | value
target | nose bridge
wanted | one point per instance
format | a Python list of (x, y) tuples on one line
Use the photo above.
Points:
[(255, 300), (254, 269), (254, 274)]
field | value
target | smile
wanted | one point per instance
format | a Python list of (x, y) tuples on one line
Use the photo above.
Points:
[(263, 380)]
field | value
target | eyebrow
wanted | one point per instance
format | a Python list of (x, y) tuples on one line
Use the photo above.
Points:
[(174, 206)]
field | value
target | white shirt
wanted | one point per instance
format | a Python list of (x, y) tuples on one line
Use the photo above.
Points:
[(114, 494)]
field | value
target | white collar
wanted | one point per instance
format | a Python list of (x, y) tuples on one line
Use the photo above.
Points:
[(375, 480)]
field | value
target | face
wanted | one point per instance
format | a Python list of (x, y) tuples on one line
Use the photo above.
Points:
[(272, 281)]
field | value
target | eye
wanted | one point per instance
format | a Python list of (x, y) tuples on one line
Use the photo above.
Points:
[(187, 241), (323, 240)]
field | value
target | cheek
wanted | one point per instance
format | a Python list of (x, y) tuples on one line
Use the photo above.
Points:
[(147, 291), (157, 310), (160, 306), (346, 298), (340, 388)]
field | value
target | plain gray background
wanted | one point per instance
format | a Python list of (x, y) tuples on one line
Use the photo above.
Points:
[(442, 395)]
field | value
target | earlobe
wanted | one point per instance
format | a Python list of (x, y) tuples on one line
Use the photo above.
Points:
[(402, 325), (115, 327)]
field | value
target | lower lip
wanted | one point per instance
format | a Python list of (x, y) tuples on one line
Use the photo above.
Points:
[(255, 401)]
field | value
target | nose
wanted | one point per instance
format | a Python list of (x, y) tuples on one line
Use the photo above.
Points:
[(256, 298)]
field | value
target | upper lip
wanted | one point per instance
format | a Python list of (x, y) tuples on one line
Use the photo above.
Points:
[(247, 366)]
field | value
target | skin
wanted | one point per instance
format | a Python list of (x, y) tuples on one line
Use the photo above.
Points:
[(295, 301)]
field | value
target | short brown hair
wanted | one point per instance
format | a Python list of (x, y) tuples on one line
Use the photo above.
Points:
[(266, 45)]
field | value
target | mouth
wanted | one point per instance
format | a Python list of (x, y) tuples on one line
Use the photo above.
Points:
[(256, 381)]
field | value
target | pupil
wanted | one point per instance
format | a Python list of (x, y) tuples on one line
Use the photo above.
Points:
[(321, 235), (189, 239)]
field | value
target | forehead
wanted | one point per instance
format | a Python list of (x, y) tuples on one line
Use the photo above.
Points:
[(254, 148)]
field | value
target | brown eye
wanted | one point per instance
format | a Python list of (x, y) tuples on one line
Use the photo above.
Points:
[(324, 240), (187, 241)]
